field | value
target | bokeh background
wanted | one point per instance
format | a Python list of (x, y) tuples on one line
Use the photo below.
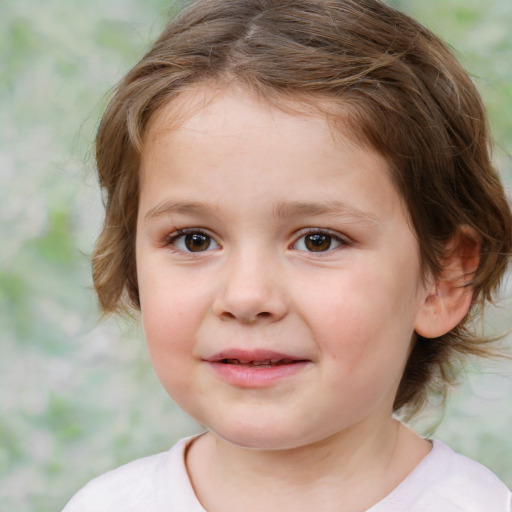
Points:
[(77, 396)]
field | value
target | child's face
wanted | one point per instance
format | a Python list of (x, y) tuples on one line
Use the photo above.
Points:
[(264, 236)]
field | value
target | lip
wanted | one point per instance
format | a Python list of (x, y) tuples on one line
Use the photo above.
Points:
[(252, 355), (235, 367)]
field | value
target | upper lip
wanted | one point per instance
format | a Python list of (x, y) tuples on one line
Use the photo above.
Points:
[(248, 356)]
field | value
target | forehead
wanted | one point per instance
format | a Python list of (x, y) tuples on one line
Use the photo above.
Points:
[(227, 142), (211, 104)]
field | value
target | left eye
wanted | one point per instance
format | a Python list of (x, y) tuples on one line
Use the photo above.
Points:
[(317, 242)]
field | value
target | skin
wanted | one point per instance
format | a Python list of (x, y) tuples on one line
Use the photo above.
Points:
[(254, 183)]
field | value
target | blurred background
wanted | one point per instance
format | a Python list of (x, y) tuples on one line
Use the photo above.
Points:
[(78, 397)]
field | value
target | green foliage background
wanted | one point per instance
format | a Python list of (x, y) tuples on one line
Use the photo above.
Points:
[(78, 397)]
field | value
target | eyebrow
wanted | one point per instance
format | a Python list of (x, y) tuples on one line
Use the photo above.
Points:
[(169, 207), (337, 209), (283, 209)]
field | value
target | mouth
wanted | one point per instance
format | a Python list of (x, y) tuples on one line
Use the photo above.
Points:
[(257, 368), (264, 363), (257, 358)]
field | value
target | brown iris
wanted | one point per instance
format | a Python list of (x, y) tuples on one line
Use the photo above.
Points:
[(318, 242), (197, 242)]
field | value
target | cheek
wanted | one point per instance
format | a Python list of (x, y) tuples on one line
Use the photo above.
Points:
[(170, 300), (171, 312), (365, 318), (169, 329)]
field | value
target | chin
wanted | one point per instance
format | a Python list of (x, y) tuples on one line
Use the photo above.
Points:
[(265, 438), (251, 441)]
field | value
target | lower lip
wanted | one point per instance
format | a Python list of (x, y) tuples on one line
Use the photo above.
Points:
[(254, 376)]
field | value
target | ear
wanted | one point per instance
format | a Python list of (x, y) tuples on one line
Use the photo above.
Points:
[(449, 297)]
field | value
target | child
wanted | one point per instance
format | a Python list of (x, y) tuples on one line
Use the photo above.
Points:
[(299, 200)]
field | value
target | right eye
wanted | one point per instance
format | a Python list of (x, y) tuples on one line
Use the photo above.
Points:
[(192, 241)]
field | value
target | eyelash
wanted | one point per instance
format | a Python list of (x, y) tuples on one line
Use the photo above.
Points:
[(333, 238), (174, 238), (171, 240)]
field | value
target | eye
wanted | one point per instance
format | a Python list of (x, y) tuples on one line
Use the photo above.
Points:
[(192, 241), (318, 241)]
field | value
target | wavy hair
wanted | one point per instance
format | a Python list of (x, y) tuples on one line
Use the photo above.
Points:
[(402, 93)]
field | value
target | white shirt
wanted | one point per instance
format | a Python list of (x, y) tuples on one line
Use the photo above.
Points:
[(443, 482)]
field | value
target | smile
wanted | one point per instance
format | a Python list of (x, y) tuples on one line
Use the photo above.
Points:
[(266, 363), (255, 368)]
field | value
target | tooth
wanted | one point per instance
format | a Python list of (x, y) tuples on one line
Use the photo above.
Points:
[(266, 362)]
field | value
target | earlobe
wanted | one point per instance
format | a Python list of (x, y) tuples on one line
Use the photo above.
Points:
[(449, 296)]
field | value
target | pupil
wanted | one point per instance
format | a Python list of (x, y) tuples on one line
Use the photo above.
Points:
[(196, 242), (318, 242)]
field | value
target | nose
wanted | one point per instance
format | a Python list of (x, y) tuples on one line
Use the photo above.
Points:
[(250, 291)]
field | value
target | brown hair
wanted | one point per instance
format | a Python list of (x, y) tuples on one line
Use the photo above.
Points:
[(403, 94)]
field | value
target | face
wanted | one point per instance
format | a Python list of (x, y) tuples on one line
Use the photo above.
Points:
[(279, 277)]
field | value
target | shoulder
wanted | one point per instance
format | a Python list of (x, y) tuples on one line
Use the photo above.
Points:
[(157, 483), (461, 484), (467, 476), (448, 482)]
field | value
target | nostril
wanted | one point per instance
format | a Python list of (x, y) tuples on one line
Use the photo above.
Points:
[(227, 315)]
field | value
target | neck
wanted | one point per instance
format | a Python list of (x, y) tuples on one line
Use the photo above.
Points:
[(356, 468)]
